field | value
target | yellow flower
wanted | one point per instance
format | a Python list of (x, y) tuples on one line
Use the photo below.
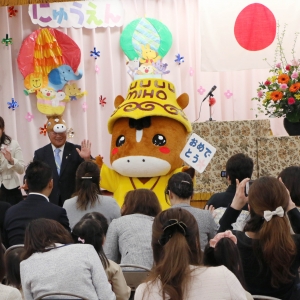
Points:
[(268, 95), (280, 72), (297, 96), (264, 101), (273, 79)]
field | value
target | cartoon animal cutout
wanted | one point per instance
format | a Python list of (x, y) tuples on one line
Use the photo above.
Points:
[(50, 102), (58, 77), (73, 92), (149, 130), (133, 65), (34, 82), (56, 123), (148, 55), (145, 69), (160, 67)]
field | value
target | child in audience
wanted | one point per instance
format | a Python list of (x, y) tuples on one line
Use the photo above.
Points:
[(12, 265), (178, 272), (52, 263), (98, 217), (89, 231), (130, 235), (222, 250), (270, 253), (6, 292)]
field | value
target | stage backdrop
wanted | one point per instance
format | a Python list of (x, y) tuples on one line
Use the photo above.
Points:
[(86, 117)]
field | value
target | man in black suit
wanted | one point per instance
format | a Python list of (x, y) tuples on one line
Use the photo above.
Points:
[(71, 156), (40, 183)]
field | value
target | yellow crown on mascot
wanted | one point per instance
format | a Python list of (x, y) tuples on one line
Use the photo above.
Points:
[(151, 97)]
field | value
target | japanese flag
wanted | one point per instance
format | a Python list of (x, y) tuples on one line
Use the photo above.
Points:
[(240, 34)]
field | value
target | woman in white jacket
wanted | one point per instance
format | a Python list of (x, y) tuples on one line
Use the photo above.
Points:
[(11, 164)]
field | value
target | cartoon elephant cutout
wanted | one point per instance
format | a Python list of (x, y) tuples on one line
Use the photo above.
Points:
[(58, 77)]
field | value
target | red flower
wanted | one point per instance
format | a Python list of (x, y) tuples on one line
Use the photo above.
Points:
[(267, 82), (288, 67), (212, 101), (291, 100)]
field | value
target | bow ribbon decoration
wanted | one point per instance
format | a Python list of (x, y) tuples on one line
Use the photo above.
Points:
[(169, 228), (227, 234), (268, 215)]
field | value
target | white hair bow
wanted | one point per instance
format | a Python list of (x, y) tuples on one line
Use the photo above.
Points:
[(268, 215)]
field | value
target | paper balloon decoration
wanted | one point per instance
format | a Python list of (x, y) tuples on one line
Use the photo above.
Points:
[(46, 49), (142, 32)]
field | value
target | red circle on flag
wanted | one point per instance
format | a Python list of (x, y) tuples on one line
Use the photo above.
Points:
[(255, 27)]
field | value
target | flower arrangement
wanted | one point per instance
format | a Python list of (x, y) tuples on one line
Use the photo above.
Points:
[(279, 95)]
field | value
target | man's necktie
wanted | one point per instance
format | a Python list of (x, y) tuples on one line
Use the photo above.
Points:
[(57, 159)]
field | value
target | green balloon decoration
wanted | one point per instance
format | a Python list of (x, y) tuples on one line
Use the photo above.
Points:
[(145, 31)]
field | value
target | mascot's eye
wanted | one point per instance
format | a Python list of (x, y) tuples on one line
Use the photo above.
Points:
[(120, 141), (159, 140)]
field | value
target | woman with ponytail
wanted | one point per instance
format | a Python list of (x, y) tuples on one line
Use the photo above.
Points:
[(88, 198), (270, 253), (178, 272)]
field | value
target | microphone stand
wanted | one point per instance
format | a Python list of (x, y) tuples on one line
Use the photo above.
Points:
[(210, 118)]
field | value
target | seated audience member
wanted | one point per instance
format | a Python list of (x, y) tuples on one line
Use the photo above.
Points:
[(12, 260), (88, 197), (98, 217), (130, 235), (270, 253), (52, 263), (7, 292), (290, 176), (178, 272), (223, 251), (4, 206), (88, 231), (36, 205), (238, 166), (180, 191)]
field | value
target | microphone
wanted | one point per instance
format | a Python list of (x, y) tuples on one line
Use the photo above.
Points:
[(210, 92)]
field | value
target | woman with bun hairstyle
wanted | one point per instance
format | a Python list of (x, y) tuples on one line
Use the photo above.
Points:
[(179, 192), (270, 253), (178, 272)]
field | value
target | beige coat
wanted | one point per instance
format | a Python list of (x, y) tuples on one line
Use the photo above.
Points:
[(9, 173)]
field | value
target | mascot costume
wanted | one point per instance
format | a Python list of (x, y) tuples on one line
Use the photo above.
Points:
[(149, 127)]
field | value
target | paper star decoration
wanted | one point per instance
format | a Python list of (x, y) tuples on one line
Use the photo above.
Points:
[(102, 101), (228, 94), (179, 59), (201, 90), (29, 117), (13, 104), (7, 41), (84, 106), (95, 53), (43, 130), (12, 12)]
